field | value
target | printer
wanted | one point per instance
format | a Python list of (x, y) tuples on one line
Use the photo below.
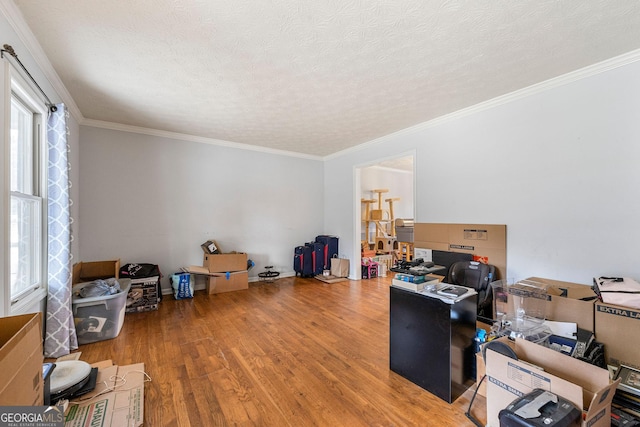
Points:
[(540, 408)]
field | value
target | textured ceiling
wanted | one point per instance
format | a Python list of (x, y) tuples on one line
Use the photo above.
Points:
[(308, 76)]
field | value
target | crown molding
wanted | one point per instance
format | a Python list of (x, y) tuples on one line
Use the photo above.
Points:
[(193, 138), (565, 79)]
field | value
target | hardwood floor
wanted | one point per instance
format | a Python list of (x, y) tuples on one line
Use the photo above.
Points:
[(295, 352)]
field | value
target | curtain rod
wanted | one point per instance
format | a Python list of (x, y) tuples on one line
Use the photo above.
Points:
[(8, 49)]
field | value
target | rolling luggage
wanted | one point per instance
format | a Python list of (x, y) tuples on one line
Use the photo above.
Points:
[(302, 261), (330, 249), (317, 257)]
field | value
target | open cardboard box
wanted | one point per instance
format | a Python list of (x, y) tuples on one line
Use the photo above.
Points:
[(113, 403), (221, 282), (93, 270), (569, 302), (586, 386), (227, 282)]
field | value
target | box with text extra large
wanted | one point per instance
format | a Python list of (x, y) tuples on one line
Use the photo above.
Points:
[(486, 242), (586, 386), (21, 357), (618, 328)]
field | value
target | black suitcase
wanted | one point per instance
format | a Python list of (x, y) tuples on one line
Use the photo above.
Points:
[(302, 261), (317, 257), (330, 249)]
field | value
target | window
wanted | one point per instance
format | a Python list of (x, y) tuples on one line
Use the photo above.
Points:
[(27, 188)]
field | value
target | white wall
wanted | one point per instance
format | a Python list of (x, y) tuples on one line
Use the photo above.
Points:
[(152, 199), (398, 182), (560, 168)]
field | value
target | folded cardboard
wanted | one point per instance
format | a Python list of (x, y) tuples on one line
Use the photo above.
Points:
[(196, 269), (331, 279), (221, 263), (480, 372), (111, 404), (618, 328), (569, 302), (227, 282), (486, 241), (21, 357), (89, 271), (586, 386)]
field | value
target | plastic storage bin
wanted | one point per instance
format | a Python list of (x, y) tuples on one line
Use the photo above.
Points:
[(99, 318), (520, 309)]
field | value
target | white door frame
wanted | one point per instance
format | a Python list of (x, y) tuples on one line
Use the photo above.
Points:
[(357, 207)]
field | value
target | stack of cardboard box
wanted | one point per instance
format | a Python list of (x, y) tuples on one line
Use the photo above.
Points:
[(224, 272), (227, 272)]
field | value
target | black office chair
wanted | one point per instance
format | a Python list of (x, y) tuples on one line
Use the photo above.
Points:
[(478, 276)]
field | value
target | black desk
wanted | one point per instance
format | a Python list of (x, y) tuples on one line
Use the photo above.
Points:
[(431, 342)]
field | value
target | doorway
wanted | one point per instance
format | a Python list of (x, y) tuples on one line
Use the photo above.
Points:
[(385, 191)]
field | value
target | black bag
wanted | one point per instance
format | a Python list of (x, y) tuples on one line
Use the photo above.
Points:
[(330, 244), (302, 261), (140, 271)]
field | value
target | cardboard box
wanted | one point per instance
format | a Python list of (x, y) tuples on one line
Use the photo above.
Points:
[(480, 371), (221, 263), (227, 282), (90, 271), (618, 328), (21, 357), (404, 234), (124, 406), (488, 241), (585, 385), (569, 302), (143, 294), (210, 247)]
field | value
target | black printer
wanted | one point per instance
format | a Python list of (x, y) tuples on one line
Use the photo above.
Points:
[(540, 408)]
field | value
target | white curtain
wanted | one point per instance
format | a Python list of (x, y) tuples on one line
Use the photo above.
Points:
[(60, 337)]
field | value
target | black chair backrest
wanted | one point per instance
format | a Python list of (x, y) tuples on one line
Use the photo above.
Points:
[(447, 259), (478, 276), (471, 274)]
